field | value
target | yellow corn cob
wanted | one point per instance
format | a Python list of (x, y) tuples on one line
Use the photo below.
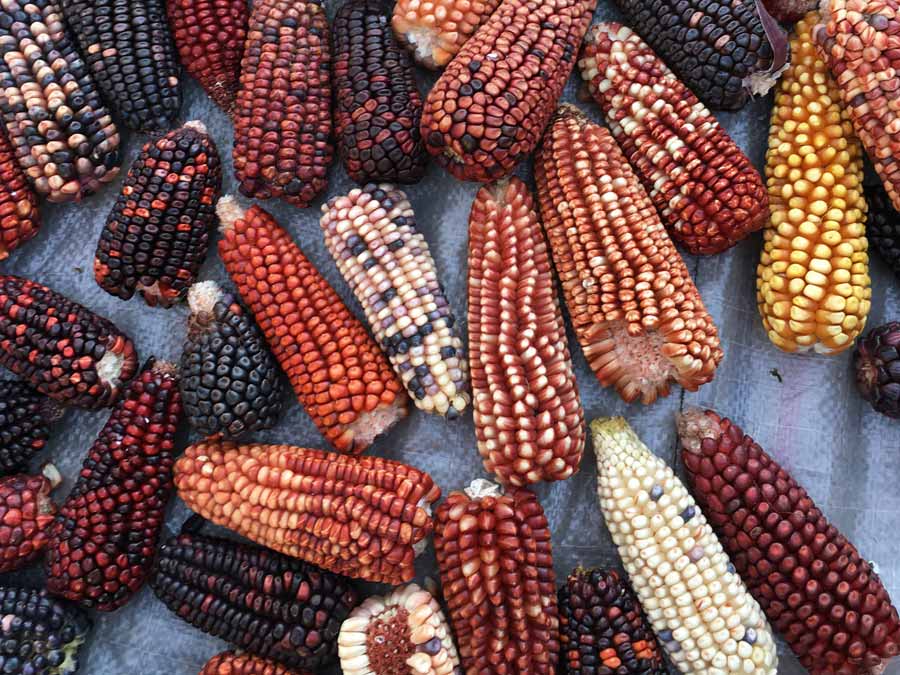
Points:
[(813, 277)]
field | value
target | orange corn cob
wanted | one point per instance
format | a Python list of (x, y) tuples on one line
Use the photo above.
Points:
[(19, 219)]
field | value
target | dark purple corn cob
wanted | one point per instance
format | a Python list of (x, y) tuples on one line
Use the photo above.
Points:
[(883, 227), (25, 420), (877, 363)]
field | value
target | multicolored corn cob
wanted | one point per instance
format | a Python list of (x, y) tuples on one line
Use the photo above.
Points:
[(233, 663), (602, 628), (336, 369), (26, 512), (635, 309), (707, 192), (488, 110), (266, 603), (371, 234), (814, 586), (402, 633), (697, 604), (210, 36), (282, 118), (883, 227), (19, 217), (364, 517), (61, 348), (813, 280), (63, 137), (378, 107), (25, 421), (157, 235), (496, 564), (528, 417), (876, 362)]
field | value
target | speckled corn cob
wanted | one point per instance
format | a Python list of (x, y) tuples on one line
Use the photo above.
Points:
[(282, 119), (706, 190), (19, 218), (210, 36), (26, 418), (488, 110), (378, 104), (697, 604), (814, 586), (364, 517), (635, 309), (157, 235), (813, 280), (528, 417), (63, 137), (336, 369), (234, 663), (402, 633), (26, 512), (496, 564), (883, 227), (371, 234), (61, 348)]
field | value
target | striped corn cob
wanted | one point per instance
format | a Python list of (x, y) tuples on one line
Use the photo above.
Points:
[(371, 234), (883, 227), (61, 348), (103, 541), (528, 417), (812, 281), (338, 372), (64, 138), (697, 604), (157, 235), (635, 309), (402, 633), (706, 190), (26, 418), (282, 119), (26, 512), (364, 517), (814, 586), (234, 663), (488, 110), (266, 603), (210, 36), (602, 628), (19, 217), (496, 564), (378, 107)]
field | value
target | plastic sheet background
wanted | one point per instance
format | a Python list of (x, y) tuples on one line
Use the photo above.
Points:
[(802, 409)]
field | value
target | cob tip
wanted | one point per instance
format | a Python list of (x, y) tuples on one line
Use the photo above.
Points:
[(197, 126), (481, 487), (52, 474), (203, 296), (229, 210), (164, 368), (694, 425), (109, 368)]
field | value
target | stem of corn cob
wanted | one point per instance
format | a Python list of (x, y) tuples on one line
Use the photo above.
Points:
[(19, 218)]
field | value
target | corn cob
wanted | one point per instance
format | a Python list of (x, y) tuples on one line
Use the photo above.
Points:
[(157, 234), (233, 663), (812, 280), (338, 372), (64, 138), (814, 586), (602, 628), (488, 110), (266, 603), (19, 218), (883, 227), (230, 382), (210, 35), (876, 365), (496, 564), (61, 348), (705, 189), (25, 421), (26, 512), (528, 417), (635, 309), (282, 120), (789, 11), (364, 517), (371, 234), (697, 604), (402, 633)]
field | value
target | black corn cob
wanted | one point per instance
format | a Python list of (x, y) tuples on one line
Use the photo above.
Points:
[(25, 420), (230, 381), (61, 348), (266, 603), (157, 235), (883, 227), (130, 52)]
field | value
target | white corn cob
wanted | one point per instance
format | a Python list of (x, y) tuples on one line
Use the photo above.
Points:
[(692, 595)]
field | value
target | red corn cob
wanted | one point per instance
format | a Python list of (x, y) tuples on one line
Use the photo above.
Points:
[(26, 511), (19, 218), (232, 663)]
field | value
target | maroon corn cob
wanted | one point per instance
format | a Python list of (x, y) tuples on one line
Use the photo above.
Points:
[(234, 663), (19, 218), (25, 420), (26, 512)]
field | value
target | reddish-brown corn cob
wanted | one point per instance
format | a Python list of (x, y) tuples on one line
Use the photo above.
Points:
[(282, 118), (364, 517), (496, 564), (789, 11), (706, 190), (19, 218), (488, 110), (528, 417), (233, 663), (635, 309), (210, 35), (25, 420), (812, 583), (337, 371), (61, 348), (104, 539), (157, 235), (26, 512)]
